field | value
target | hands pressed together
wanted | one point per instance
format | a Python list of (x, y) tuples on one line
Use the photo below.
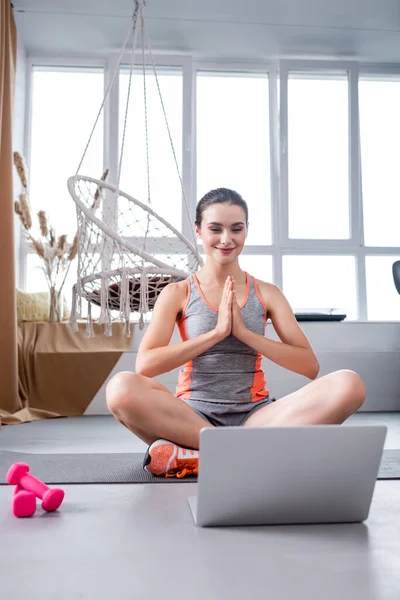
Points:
[(229, 318)]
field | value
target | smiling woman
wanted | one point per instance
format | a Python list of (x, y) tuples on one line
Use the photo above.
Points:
[(226, 237), (221, 314)]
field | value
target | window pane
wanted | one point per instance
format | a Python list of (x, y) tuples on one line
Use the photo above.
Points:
[(64, 107), (165, 187), (318, 156), (233, 143), (321, 282), (36, 282), (260, 266), (383, 301), (35, 279), (380, 156)]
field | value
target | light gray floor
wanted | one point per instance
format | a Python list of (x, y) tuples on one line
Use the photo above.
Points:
[(139, 541)]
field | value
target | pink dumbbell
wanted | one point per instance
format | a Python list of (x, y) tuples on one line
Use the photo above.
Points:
[(51, 497), (24, 503)]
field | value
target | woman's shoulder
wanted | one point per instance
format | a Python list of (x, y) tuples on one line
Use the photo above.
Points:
[(266, 286), (269, 291), (175, 293), (177, 289)]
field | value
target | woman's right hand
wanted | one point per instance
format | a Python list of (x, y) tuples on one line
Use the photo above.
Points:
[(224, 323)]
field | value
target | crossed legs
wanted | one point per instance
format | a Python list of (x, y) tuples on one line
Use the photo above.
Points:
[(151, 411), (328, 400), (148, 409)]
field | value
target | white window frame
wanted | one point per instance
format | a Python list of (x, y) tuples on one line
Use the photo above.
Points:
[(322, 67), (278, 75), (185, 64), (384, 71), (46, 63), (350, 247), (260, 68)]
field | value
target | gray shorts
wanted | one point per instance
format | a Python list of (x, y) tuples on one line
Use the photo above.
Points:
[(227, 414)]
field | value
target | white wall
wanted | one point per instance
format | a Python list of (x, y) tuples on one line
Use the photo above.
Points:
[(19, 135), (371, 349)]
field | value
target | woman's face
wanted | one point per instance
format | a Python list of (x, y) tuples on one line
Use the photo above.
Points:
[(223, 231)]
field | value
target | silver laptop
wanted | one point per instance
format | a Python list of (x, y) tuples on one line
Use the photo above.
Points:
[(282, 475)]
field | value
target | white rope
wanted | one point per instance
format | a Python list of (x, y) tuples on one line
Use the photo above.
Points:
[(103, 299), (79, 296), (132, 26), (144, 305), (127, 328), (73, 323), (169, 131), (108, 325), (145, 108), (132, 65), (127, 306), (141, 322), (89, 332), (147, 142)]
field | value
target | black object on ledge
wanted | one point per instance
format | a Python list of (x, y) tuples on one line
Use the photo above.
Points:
[(396, 274), (326, 314)]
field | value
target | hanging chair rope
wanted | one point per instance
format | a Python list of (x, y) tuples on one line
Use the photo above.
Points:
[(168, 129), (127, 253), (145, 108), (132, 27), (138, 9)]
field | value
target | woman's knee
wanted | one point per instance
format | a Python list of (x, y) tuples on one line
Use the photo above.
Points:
[(352, 388), (124, 392)]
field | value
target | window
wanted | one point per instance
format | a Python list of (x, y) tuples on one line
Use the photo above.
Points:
[(321, 282), (380, 159), (233, 149), (318, 156), (299, 211), (36, 281), (260, 266), (165, 187), (65, 103)]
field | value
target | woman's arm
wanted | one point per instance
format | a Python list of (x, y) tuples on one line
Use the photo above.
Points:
[(155, 356), (294, 352)]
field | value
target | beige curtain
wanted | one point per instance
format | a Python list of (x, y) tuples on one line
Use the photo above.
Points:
[(8, 321)]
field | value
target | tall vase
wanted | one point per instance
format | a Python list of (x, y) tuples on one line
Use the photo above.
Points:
[(56, 305)]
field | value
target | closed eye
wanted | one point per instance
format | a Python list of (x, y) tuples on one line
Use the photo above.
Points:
[(219, 231)]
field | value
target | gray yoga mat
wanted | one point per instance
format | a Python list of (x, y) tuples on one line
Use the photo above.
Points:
[(122, 468), (85, 468)]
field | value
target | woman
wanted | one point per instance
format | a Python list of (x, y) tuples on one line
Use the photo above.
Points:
[(221, 313)]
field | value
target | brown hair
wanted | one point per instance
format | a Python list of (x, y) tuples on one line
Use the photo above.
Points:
[(220, 196)]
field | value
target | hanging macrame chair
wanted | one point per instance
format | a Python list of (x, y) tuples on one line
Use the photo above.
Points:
[(127, 253)]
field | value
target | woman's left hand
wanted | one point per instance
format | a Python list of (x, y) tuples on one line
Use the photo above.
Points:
[(238, 327)]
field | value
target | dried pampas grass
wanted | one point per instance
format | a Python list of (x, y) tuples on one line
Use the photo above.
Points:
[(20, 165), (44, 228), (55, 251), (97, 195), (26, 211), (37, 245), (73, 250), (62, 240), (52, 237)]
